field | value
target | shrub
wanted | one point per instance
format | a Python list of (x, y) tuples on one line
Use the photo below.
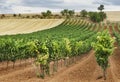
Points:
[(83, 13), (97, 16), (103, 47)]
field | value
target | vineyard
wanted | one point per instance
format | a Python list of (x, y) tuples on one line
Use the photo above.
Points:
[(58, 42), (54, 50)]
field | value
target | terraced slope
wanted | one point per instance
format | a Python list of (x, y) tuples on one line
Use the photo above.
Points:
[(20, 26)]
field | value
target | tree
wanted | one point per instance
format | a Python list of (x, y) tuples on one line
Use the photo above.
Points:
[(97, 16), (71, 12), (83, 13), (101, 7), (44, 14), (19, 15), (103, 47), (62, 13), (103, 15), (14, 15), (48, 13), (65, 12), (28, 16), (3, 16)]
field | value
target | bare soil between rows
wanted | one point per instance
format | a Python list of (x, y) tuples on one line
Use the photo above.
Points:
[(85, 70)]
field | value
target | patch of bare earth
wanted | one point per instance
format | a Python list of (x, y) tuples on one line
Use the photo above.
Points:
[(85, 70), (115, 59)]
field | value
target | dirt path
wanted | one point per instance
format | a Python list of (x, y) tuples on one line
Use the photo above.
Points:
[(73, 73), (115, 59), (115, 63), (85, 71)]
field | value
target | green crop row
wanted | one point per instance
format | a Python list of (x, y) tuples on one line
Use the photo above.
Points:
[(71, 38)]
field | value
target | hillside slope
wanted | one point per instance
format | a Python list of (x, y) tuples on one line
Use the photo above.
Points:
[(19, 26), (113, 16)]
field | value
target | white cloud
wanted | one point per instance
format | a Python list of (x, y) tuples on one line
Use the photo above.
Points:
[(13, 1), (36, 6), (79, 1), (25, 9), (112, 7)]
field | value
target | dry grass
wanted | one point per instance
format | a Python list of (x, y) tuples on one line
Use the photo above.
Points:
[(113, 16), (19, 26)]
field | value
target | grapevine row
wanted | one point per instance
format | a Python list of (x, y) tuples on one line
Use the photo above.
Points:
[(69, 39)]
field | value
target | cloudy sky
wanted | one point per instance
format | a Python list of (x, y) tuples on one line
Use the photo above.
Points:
[(37, 6)]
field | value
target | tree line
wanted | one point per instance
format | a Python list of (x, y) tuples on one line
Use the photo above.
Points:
[(66, 13)]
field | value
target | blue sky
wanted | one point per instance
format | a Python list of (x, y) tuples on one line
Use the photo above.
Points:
[(37, 6)]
